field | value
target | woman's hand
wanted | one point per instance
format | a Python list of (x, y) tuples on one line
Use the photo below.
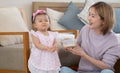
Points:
[(77, 50)]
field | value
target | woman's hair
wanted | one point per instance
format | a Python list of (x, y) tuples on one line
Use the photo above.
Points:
[(105, 11), (39, 12)]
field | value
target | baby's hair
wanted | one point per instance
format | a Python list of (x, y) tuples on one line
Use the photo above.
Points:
[(39, 12)]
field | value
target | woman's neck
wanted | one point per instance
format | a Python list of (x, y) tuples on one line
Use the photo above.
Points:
[(97, 31)]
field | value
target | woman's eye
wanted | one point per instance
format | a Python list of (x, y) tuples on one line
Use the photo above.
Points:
[(91, 15)]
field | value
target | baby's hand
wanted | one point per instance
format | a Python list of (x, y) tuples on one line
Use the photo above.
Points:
[(53, 49)]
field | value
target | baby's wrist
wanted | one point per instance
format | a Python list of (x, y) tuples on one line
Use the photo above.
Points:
[(46, 48)]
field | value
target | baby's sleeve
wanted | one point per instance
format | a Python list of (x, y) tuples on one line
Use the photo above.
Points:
[(56, 34), (32, 32)]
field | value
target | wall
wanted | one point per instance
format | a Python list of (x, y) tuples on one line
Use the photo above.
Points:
[(27, 4)]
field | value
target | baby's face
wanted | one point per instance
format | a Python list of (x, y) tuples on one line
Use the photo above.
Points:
[(42, 22)]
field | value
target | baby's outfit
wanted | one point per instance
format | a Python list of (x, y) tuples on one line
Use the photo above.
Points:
[(42, 61)]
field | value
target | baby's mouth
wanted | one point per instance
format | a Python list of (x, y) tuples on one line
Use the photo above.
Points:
[(44, 25)]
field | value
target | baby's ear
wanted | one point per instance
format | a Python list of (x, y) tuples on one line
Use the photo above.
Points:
[(34, 25)]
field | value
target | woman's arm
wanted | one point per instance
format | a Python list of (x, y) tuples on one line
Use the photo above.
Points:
[(79, 51), (38, 44), (96, 62)]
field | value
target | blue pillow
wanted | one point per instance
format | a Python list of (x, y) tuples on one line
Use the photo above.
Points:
[(70, 19), (117, 23)]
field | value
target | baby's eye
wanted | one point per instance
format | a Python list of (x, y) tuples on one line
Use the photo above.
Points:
[(39, 21)]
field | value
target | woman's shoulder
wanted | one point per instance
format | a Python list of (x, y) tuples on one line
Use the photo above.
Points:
[(114, 37), (85, 29)]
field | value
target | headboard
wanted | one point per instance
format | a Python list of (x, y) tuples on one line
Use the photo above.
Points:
[(60, 6)]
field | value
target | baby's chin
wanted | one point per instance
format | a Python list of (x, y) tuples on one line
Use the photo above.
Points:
[(44, 29)]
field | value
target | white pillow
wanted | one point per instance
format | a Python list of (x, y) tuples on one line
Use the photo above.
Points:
[(11, 21), (84, 13), (54, 17), (118, 36)]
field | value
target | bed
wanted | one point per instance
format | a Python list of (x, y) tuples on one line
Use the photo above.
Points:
[(59, 6)]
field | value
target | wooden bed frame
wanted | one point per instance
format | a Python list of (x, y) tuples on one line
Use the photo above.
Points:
[(26, 46), (60, 6), (26, 50)]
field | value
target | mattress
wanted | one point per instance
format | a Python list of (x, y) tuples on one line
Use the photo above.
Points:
[(12, 57)]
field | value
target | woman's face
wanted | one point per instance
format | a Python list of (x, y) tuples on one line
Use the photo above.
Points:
[(94, 19), (41, 22)]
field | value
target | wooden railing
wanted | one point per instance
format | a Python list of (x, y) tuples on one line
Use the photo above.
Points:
[(26, 51)]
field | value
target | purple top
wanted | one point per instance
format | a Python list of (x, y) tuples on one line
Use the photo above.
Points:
[(101, 47)]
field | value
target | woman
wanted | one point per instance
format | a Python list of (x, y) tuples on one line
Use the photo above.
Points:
[(97, 45)]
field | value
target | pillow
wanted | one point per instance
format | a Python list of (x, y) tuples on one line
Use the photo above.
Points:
[(118, 37), (54, 17), (70, 19), (11, 21), (117, 23), (84, 13)]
